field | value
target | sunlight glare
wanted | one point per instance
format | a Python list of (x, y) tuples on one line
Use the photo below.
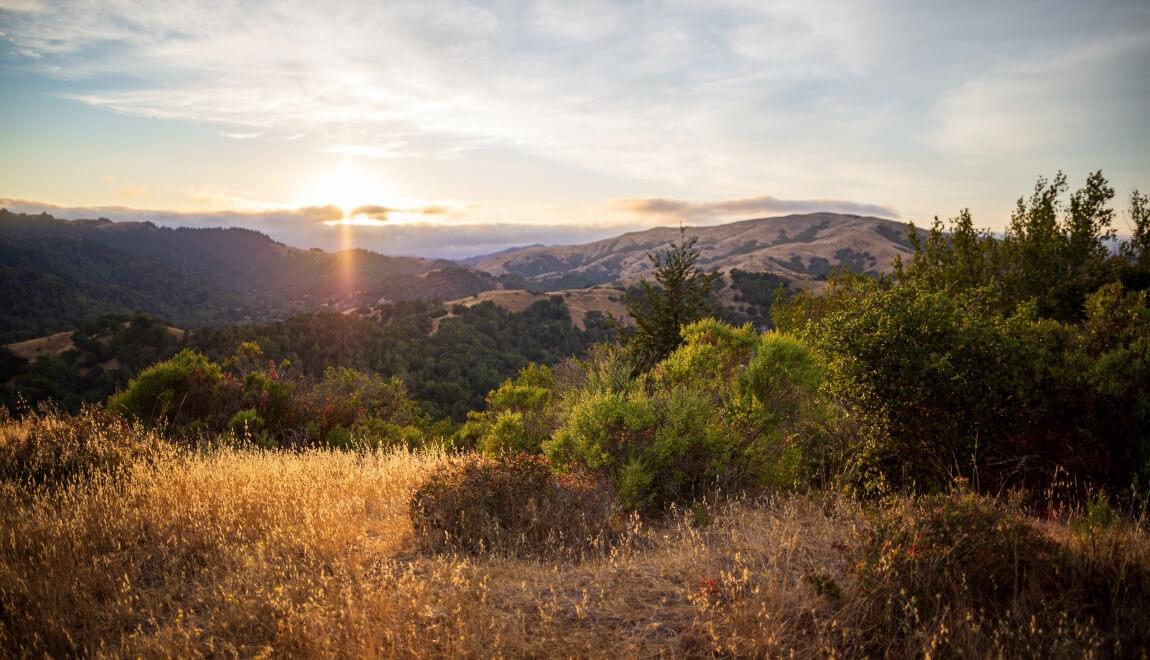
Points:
[(348, 188)]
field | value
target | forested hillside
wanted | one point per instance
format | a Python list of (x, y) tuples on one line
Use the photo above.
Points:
[(448, 363), (60, 272)]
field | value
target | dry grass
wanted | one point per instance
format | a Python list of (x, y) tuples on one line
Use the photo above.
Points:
[(310, 554)]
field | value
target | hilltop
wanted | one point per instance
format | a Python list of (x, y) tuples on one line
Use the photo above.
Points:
[(801, 249)]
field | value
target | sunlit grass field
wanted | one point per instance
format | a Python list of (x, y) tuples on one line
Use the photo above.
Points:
[(252, 553)]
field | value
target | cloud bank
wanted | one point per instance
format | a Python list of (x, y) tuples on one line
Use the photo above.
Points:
[(748, 207)]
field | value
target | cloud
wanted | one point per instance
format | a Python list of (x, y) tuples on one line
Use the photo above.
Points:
[(378, 212), (271, 220), (380, 151), (747, 207), (372, 211), (132, 191), (688, 92)]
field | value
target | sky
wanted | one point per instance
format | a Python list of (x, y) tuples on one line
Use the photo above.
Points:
[(451, 128)]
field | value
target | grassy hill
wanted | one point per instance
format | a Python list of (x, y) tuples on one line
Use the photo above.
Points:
[(799, 248), (605, 300)]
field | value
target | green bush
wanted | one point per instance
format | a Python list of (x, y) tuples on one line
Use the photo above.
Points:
[(515, 504), (916, 367), (520, 415), (606, 368), (711, 353), (728, 409), (184, 390), (938, 386)]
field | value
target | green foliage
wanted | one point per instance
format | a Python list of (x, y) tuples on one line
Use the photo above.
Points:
[(606, 368), (515, 504), (185, 389), (794, 313), (1054, 250), (107, 352), (519, 415), (939, 386), (449, 370), (725, 410), (346, 409), (915, 367), (681, 297), (711, 351)]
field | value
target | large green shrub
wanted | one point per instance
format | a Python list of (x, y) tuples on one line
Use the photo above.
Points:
[(728, 409), (915, 367), (350, 409), (347, 409), (185, 390), (939, 386)]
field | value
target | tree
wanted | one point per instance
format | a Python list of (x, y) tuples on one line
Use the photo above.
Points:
[(1054, 251), (680, 298)]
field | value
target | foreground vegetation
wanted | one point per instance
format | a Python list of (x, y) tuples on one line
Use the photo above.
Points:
[(951, 461), (240, 551)]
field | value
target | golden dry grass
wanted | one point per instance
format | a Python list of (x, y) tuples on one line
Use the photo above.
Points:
[(308, 554)]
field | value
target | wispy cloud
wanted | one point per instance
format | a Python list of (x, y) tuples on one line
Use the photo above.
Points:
[(747, 207)]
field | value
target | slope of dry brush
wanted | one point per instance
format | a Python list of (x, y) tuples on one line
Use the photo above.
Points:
[(311, 554)]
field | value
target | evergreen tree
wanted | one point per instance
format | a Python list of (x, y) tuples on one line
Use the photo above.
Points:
[(680, 297)]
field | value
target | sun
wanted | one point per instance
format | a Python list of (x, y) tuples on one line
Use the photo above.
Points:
[(348, 188)]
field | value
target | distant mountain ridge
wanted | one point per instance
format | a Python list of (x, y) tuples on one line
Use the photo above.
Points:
[(55, 273), (799, 248), (58, 272)]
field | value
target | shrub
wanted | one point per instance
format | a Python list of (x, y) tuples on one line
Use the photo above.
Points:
[(515, 504), (728, 409), (711, 353), (945, 549), (519, 415), (777, 402), (966, 558), (672, 446), (187, 388), (927, 375), (606, 368), (346, 396), (50, 448)]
